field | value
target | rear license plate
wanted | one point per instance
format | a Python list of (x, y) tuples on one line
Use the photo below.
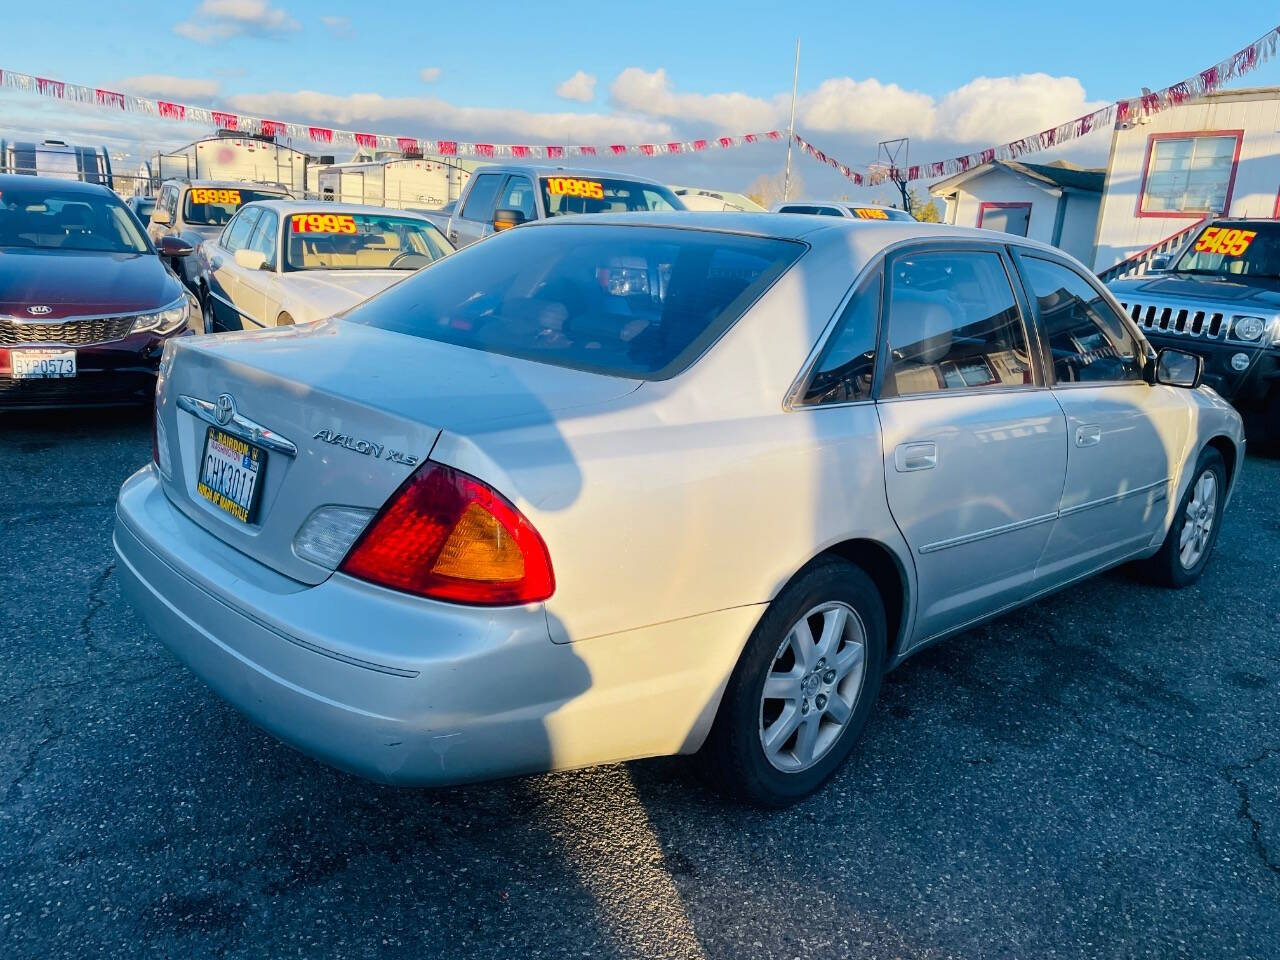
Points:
[(42, 364), (230, 473)]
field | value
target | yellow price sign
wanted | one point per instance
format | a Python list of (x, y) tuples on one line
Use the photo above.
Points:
[(573, 187), (210, 195), (322, 223), (1228, 241), (870, 213)]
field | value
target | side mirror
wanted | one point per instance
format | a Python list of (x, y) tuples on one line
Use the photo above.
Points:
[(160, 218), (1177, 368), (506, 219), (250, 259), (172, 246), (1159, 264)]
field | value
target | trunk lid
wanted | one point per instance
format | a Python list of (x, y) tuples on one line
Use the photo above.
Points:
[(362, 407)]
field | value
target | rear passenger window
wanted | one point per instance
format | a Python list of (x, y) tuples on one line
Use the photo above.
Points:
[(845, 367), (953, 324), (1087, 339)]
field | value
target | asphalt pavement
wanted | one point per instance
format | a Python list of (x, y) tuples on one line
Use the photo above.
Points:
[(1097, 775)]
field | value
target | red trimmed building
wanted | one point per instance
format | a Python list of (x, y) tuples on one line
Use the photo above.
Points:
[(1218, 154)]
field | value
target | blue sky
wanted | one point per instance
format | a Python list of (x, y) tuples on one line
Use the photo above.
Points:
[(648, 71)]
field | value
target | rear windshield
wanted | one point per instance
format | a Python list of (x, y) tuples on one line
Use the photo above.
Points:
[(206, 206), (360, 241), (637, 302), (568, 194), (1228, 250), (44, 216)]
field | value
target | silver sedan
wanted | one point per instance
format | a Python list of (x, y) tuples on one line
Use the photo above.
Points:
[(623, 486)]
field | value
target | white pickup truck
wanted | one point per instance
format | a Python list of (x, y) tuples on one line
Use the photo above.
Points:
[(502, 196)]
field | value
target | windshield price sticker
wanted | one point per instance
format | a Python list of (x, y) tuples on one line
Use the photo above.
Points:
[(210, 195), (1228, 241), (573, 187), (870, 213), (322, 223)]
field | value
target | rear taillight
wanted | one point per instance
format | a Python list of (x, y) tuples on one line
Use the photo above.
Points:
[(448, 536)]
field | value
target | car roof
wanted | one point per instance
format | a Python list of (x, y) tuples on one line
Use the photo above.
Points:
[(847, 204), (289, 205), (540, 170), (228, 184), (16, 180), (789, 226)]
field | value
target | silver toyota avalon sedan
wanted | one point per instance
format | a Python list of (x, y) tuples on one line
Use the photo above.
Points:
[(623, 486)]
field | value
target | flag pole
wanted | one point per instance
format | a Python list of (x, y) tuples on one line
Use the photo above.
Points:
[(791, 129)]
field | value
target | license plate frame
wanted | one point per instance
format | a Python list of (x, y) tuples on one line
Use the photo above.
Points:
[(231, 499), (64, 362)]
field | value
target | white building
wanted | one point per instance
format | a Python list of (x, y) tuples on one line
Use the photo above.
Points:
[(1055, 203), (1218, 154)]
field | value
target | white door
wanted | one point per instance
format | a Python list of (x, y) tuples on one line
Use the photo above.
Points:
[(974, 443), (1125, 436), (225, 288), (258, 302)]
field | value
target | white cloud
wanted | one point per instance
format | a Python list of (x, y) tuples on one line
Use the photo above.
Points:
[(169, 87), (581, 87), (440, 118), (650, 93), (999, 109), (338, 26), (215, 20), (429, 74), (985, 110)]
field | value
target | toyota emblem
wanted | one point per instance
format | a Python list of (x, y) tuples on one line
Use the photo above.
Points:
[(40, 310), (224, 409)]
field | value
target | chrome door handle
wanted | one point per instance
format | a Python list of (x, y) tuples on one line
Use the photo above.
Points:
[(915, 456), (1089, 435)]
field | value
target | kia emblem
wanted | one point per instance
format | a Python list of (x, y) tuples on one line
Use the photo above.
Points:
[(225, 409), (40, 310)]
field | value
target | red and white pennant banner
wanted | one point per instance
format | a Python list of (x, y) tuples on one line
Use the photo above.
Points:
[(329, 136), (1123, 111)]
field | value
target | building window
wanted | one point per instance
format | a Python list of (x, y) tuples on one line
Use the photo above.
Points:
[(1189, 174), (1012, 218)]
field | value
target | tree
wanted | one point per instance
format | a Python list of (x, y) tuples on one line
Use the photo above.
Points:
[(766, 189), (922, 211)]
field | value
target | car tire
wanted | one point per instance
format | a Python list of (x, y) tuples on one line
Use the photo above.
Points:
[(206, 311), (750, 753), (284, 320), (1194, 531)]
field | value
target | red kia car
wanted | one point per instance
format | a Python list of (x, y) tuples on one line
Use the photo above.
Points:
[(86, 304)]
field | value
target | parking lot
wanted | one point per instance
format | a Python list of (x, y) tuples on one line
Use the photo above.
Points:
[(1096, 775)]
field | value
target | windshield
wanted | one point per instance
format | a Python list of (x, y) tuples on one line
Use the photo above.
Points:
[(44, 217), (564, 195), (360, 241), (1234, 250), (214, 206), (637, 302)]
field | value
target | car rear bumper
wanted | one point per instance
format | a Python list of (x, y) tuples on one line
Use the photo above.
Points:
[(406, 690), (111, 374)]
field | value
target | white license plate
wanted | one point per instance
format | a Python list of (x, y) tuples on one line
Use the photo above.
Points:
[(42, 364), (229, 473)]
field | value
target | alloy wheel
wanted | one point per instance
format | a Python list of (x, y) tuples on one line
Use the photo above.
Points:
[(813, 685), (1197, 525)]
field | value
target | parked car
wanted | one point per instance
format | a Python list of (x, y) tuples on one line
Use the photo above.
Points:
[(197, 210), (279, 262), (1219, 297), (142, 208), (853, 211), (620, 486), (86, 305), (502, 196)]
